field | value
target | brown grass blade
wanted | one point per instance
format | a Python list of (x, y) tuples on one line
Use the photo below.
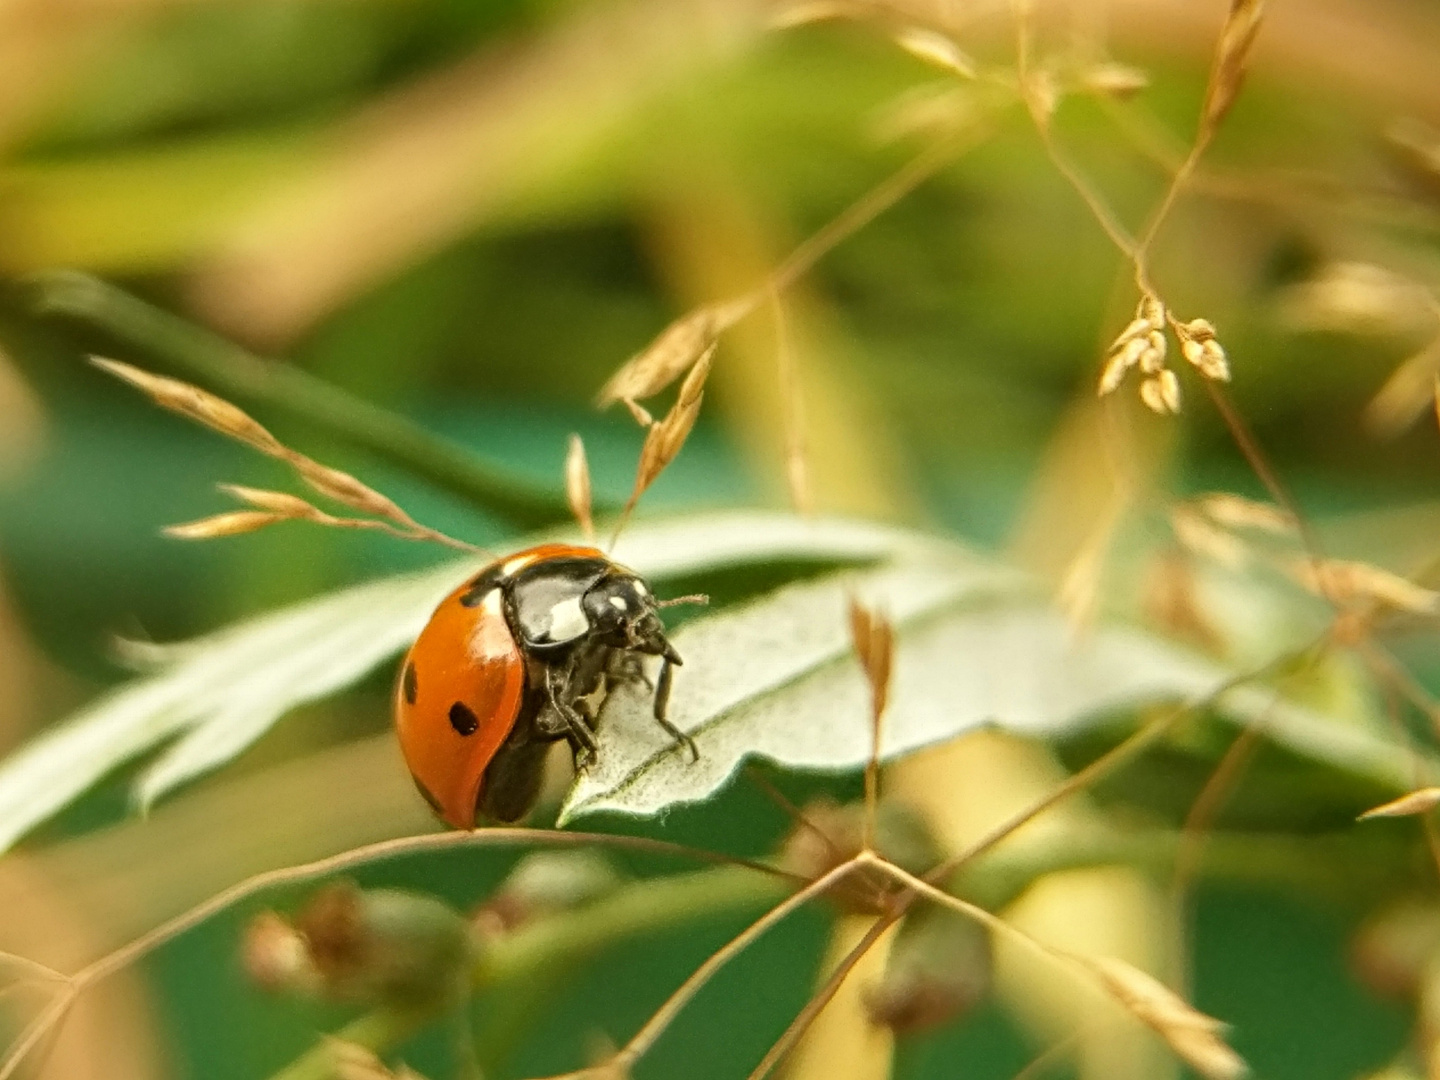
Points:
[(577, 485), (1232, 61), (1421, 801), (1189, 1032), (191, 401), (232, 524)]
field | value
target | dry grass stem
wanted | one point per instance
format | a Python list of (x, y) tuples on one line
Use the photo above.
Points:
[(1415, 802), (577, 486), (1191, 1034), (691, 338), (1048, 1058), (797, 463), (935, 48), (119, 959), (1195, 1037), (822, 997), (653, 1028)]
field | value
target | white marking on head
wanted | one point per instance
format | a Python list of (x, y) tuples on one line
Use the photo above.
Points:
[(619, 603), (640, 588), (567, 620)]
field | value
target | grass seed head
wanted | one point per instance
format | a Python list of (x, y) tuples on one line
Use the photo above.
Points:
[(1237, 512), (1161, 393), (1119, 81), (233, 523), (873, 637), (347, 490), (677, 349), (199, 405), (1232, 61), (1139, 327), (276, 502), (666, 436), (1195, 1037), (1346, 582), (1152, 356), (1421, 801), (935, 48)]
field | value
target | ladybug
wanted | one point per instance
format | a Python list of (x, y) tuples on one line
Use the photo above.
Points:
[(521, 656)]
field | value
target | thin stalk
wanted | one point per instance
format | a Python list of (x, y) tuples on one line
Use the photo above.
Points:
[(224, 366)]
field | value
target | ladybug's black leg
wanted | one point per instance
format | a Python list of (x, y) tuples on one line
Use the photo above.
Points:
[(662, 703), (626, 666), (571, 724)]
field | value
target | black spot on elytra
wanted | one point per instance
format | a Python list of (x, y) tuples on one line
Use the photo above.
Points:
[(409, 685), (463, 719)]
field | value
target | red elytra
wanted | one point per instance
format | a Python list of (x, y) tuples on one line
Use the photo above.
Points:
[(518, 657)]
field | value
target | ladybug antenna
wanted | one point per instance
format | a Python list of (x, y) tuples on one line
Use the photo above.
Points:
[(693, 598)]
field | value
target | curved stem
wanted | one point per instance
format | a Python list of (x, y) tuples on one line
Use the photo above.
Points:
[(225, 366), (639, 908)]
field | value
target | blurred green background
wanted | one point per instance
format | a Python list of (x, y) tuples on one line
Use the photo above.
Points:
[(471, 214)]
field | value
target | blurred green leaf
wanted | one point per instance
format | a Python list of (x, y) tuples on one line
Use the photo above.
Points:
[(975, 645)]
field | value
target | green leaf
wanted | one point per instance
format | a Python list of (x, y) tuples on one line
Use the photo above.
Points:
[(216, 695), (777, 679)]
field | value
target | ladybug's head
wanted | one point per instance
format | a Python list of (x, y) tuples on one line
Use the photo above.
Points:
[(623, 613)]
